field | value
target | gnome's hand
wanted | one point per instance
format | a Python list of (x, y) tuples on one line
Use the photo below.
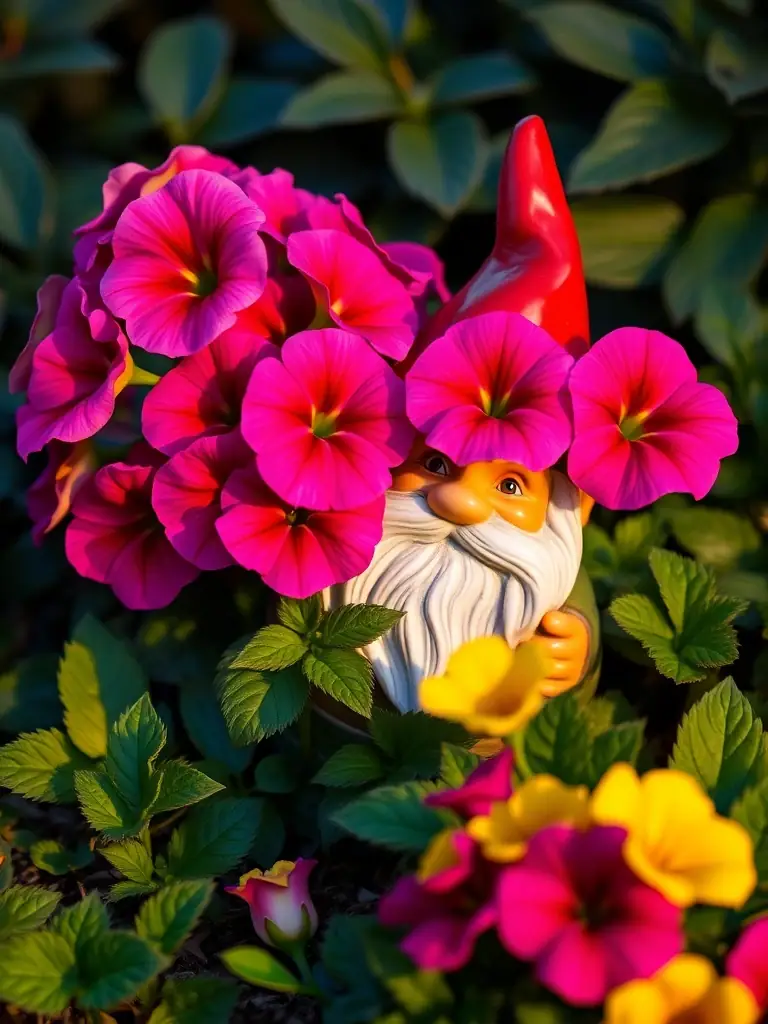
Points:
[(563, 642)]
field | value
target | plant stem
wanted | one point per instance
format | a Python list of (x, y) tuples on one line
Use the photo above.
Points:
[(299, 957)]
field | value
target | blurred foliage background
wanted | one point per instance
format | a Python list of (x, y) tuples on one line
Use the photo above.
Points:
[(658, 111)]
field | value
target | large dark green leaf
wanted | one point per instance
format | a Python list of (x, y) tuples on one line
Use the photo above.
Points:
[(481, 77), (249, 107), (22, 186), (343, 97), (29, 696), (54, 57), (349, 32)]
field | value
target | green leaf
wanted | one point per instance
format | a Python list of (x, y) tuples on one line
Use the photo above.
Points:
[(720, 742), (441, 160), (82, 921), (29, 698), (617, 743), (356, 625), (272, 648), (113, 967), (131, 858), (41, 766), (182, 785), (134, 744), (393, 816), (714, 536), (256, 705), (751, 811), (249, 108), (258, 967), (205, 726), (624, 238), (728, 323), (213, 839), (480, 77), (345, 31), (344, 675), (456, 763), (277, 773), (23, 908), (352, 765), (196, 1001), (413, 740), (51, 856), (168, 918), (737, 65), (104, 808), (62, 56), (129, 890), (558, 742), (98, 680), (181, 68), (6, 865), (302, 616), (343, 97), (727, 245), (39, 973), (651, 130), (22, 186), (604, 40)]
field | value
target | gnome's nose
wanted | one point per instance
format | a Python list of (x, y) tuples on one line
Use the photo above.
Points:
[(458, 503)]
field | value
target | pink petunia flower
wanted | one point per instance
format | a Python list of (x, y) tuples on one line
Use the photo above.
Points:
[(50, 496), (748, 960), (643, 424), (489, 783), (186, 496), (187, 259), (281, 906), (203, 394), (296, 551), (356, 290), (327, 421), (287, 208), (49, 296), (492, 387), (74, 380), (574, 908), (286, 307), (116, 538), (445, 913)]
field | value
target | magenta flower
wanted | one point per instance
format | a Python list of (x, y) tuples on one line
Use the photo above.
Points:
[(203, 394), (50, 496), (287, 208), (489, 783), (49, 296), (643, 424), (116, 538), (492, 387), (187, 259), (748, 960), (281, 906), (574, 908), (186, 496), (446, 913), (356, 290), (286, 307), (327, 421), (296, 551), (74, 380)]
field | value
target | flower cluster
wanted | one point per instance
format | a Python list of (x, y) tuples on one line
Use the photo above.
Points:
[(590, 889), (222, 380)]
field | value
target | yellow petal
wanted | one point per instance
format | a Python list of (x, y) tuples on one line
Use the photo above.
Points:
[(721, 864), (616, 800), (637, 1002), (728, 1001), (676, 887), (684, 982), (439, 855), (441, 697), (479, 665), (545, 800), (500, 724)]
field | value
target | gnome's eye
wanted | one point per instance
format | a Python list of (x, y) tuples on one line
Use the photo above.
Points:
[(509, 486), (436, 464)]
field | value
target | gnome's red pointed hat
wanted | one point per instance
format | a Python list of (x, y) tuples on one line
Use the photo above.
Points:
[(535, 267)]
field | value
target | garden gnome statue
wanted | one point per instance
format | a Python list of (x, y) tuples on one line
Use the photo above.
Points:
[(492, 547)]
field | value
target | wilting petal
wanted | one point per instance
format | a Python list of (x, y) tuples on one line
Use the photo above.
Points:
[(50, 496)]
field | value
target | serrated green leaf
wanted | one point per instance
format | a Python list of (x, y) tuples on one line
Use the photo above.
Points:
[(557, 741), (393, 816), (205, 726), (134, 744), (344, 675), (651, 130), (23, 908), (98, 679), (302, 616), (6, 865), (272, 648), (196, 1001), (720, 742), (413, 740), (39, 973), (213, 839), (170, 916), (113, 967), (181, 785), (356, 625), (29, 698), (81, 922), (345, 31), (714, 536), (128, 890), (131, 858), (249, 107), (256, 705), (616, 743), (480, 77), (53, 857), (751, 811), (456, 763), (343, 97), (22, 186), (352, 765), (104, 808), (277, 773), (259, 967), (41, 766)]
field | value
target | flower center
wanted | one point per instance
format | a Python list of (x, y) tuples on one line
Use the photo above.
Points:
[(297, 516), (205, 283), (632, 427), (324, 423), (495, 406)]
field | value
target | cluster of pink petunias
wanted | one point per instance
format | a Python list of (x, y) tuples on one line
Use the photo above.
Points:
[(221, 382)]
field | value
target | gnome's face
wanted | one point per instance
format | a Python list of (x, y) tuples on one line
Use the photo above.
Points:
[(466, 552)]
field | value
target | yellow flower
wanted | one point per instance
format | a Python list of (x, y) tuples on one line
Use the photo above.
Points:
[(487, 686), (686, 991), (676, 841), (540, 801)]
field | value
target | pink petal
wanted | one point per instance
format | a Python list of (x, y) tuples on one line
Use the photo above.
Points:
[(149, 574), (49, 297), (446, 943), (489, 782), (748, 960), (422, 263), (533, 907), (49, 498), (574, 966)]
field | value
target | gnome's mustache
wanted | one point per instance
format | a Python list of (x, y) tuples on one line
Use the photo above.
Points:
[(455, 583)]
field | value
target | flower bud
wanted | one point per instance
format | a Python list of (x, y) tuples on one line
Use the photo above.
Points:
[(282, 910)]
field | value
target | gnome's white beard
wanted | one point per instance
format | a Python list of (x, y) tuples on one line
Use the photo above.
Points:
[(456, 583)]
